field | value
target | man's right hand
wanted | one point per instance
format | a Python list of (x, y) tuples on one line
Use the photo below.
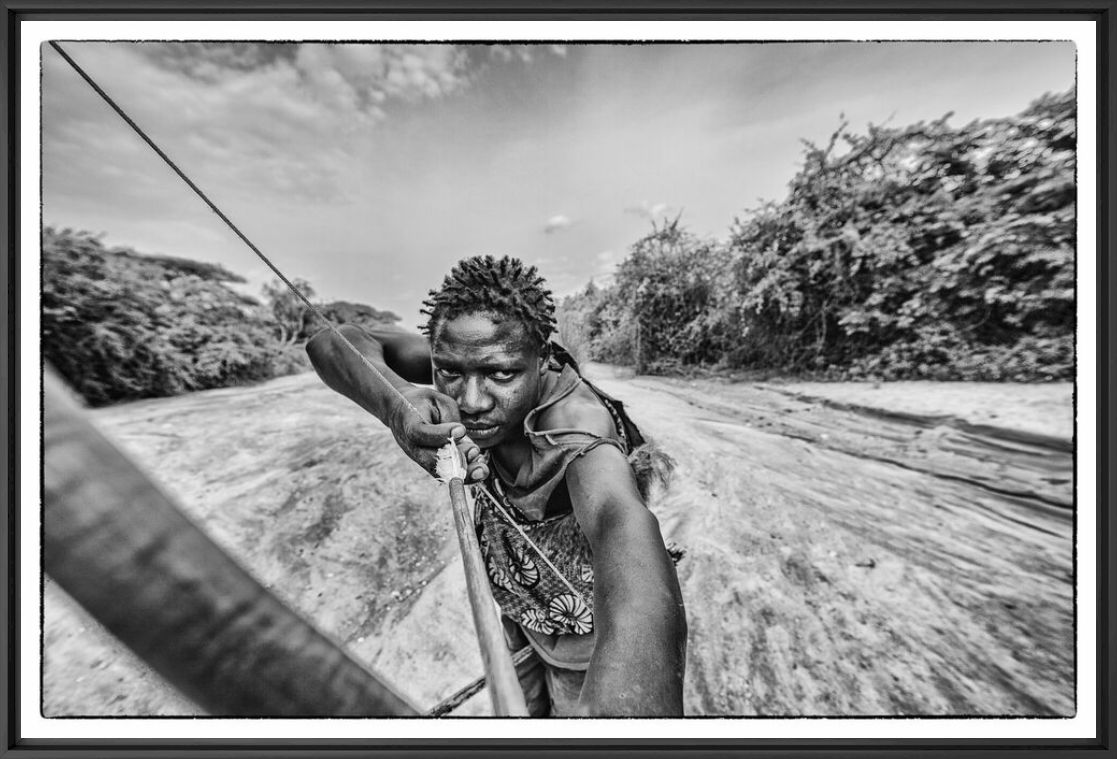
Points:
[(420, 436)]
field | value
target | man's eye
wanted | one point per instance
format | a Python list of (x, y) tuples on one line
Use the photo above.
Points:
[(500, 376), (447, 374)]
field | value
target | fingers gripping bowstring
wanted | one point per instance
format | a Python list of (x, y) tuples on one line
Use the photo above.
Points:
[(290, 285), (197, 190)]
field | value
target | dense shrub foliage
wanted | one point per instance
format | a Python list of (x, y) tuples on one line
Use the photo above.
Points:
[(119, 325), (929, 251), (660, 312)]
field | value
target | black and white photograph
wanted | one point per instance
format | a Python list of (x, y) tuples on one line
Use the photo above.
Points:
[(618, 379)]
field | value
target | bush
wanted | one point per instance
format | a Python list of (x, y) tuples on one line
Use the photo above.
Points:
[(578, 318), (926, 251), (118, 325), (666, 307)]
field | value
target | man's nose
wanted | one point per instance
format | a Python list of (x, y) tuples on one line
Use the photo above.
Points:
[(474, 400)]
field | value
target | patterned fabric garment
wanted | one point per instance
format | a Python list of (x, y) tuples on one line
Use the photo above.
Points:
[(527, 590)]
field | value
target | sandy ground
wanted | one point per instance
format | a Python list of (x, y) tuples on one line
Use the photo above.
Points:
[(853, 549)]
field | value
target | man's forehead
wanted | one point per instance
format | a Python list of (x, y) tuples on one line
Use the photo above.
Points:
[(483, 333)]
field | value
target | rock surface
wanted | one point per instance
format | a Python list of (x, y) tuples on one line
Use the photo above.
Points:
[(852, 549)]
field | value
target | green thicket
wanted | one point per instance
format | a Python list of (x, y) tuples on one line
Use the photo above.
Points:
[(119, 325), (928, 251)]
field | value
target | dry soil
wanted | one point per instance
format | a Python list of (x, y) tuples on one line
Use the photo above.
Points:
[(852, 549)]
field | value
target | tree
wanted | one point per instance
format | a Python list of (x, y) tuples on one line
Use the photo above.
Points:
[(120, 325), (289, 313), (927, 251), (668, 306), (345, 312), (921, 251), (579, 321)]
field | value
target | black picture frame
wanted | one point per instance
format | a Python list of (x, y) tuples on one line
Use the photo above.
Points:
[(1102, 12)]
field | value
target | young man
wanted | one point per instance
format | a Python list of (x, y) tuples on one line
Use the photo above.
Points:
[(575, 560)]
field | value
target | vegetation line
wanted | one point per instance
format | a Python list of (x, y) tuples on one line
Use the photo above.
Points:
[(923, 252)]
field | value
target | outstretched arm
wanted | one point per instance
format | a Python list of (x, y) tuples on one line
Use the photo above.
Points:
[(401, 359), (639, 655), (344, 372)]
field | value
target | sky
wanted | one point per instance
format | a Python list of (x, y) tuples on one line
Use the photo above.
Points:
[(368, 169)]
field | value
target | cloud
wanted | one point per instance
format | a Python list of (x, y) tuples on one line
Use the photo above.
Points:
[(522, 53), (280, 121), (286, 115), (361, 77), (505, 53), (557, 223), (280, 117), (350, 79), (211, 61), (653, 211)]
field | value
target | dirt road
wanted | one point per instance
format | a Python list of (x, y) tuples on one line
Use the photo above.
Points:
[(857, 550)]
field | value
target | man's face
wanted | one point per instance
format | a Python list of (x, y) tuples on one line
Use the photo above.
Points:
[(494, 372)]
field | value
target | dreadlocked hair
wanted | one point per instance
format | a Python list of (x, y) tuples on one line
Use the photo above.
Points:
[(503, 286)]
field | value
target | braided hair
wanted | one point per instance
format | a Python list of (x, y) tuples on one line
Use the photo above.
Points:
[(504, 287)]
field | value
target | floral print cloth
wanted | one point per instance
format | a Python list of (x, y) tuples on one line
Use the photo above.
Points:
[(527, 590)]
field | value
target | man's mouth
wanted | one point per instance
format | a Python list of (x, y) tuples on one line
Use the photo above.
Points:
[(480, 432)]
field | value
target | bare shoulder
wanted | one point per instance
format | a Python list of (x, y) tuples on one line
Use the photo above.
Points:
[(581, 410)]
